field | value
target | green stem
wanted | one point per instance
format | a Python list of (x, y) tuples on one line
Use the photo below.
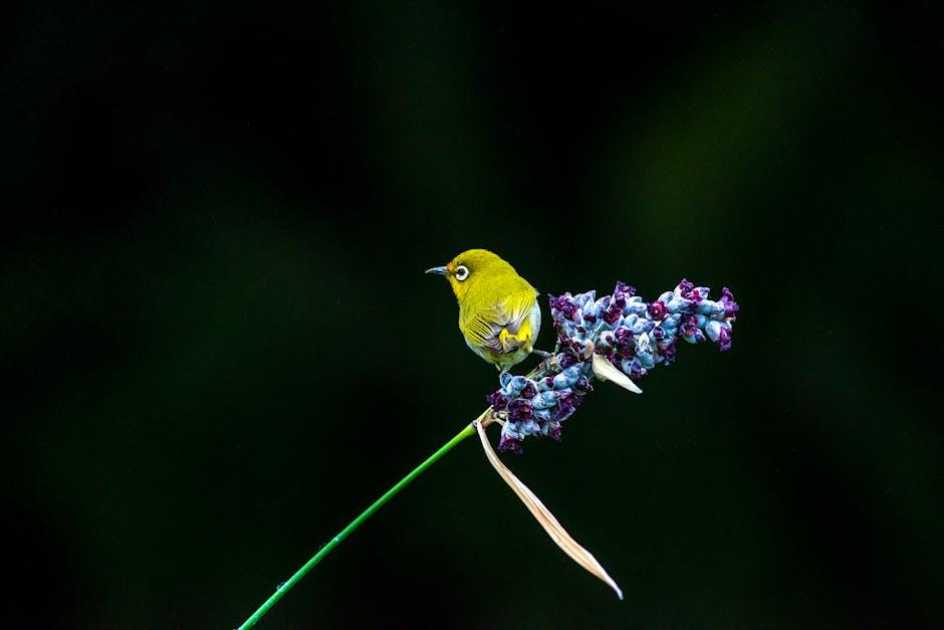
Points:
[(363, 516)]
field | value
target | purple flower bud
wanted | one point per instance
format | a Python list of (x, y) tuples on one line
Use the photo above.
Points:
[(727, 299), (633, 369), (565, 360), (668, 353), (509, 444), (625, 343), (609, 353), (563, 306), (566, 397), (519, 409), (713, 330), (688, 326), (529, 391), (613, 313), (554, 431), (497, 400), (579, 347), (684, 288), (583, 385), (605, 341), (724, 339), (624, 289), (565, 408), (513, 386), (697, 336), (657, 311)]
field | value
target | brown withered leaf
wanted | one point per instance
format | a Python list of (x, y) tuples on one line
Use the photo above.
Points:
[(550, 524)]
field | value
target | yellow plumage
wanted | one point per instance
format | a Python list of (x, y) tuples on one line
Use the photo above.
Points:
[(499, 315)]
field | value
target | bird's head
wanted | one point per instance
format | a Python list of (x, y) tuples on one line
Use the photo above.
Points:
[(470, 268)]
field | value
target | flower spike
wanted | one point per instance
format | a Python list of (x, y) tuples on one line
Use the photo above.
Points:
[(617, 337)]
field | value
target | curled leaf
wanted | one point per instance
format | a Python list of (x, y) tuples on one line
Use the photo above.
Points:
[(606, 371), (550, 524)]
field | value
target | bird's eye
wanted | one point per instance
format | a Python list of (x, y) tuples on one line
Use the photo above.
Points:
[(462, 272)]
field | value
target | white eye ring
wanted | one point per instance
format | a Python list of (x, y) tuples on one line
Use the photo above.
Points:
[(462, 272)]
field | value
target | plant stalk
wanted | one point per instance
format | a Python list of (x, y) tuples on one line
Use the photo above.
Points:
[(357, 522), (485, 418)]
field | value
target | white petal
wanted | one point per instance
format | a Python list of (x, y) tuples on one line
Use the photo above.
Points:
[(606, 371)]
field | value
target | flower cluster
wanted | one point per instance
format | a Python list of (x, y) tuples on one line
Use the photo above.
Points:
[(633, 335)]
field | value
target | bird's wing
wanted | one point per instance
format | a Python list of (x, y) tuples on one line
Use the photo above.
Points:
[(524, 322), (506, 326), (517, 310), (484, 327)]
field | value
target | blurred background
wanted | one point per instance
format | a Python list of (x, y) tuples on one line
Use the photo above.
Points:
[(219, 346)]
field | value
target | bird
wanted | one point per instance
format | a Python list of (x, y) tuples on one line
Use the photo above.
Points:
[(499, 314)]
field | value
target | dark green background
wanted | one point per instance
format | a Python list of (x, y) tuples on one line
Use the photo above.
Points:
[(218, 344)]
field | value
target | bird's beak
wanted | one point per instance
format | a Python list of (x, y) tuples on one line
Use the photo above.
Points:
[(439, 271)]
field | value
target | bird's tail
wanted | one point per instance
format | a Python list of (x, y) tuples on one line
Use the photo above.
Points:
[(512, 341)]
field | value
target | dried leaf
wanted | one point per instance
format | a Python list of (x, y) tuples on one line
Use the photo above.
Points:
[(606, 371), (553, 528)]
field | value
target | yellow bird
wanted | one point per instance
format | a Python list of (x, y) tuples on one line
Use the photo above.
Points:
[(499, 314)]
